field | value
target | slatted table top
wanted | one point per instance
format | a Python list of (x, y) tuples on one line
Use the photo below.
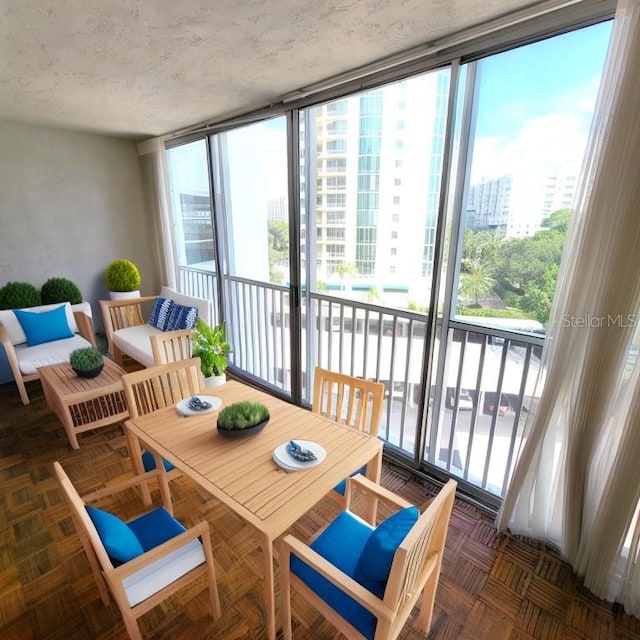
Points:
[(241, 472), (64, 381)]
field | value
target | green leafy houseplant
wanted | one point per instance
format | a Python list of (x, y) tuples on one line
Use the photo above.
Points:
[(242, 415), (86, 361), (60, 290), (122, 275), (19, 295), (211, 346)]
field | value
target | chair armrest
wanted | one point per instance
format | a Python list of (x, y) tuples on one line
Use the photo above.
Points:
[(132, 566), (291, 545), (85, 326), (360, 484), (120, 485)]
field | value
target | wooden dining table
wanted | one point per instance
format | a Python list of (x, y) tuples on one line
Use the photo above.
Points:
[(241, 472)]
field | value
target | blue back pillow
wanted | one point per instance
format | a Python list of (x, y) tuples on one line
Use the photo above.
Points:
[(160, 313), (182, 317), (45, 326), (119, 541), (377, 554)]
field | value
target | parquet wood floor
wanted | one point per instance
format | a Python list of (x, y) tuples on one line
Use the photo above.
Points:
[(492, 588)]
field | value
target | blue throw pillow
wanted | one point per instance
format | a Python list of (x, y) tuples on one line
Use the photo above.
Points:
[(376, 558), (160, 313), (182, 317), (119, 541), (45, 326)]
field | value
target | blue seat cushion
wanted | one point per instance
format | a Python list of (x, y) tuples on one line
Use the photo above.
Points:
[(45, 326), (149, 463), (160, 312), (341, 487), (374, 563), (155, 527), (340, 543), (118, 539)]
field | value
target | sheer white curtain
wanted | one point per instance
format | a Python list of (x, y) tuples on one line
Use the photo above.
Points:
[(577, 480), (153, 161)]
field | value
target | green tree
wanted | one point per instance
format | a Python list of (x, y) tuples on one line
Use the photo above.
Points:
[(345, 269), (476, 281), (278, 235)]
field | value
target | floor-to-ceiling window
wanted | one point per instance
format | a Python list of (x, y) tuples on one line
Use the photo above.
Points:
[(502, 137), (254, 211)]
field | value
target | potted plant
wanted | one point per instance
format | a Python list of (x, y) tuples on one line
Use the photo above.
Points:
[(211, 346), (242, 419), (19, 295), (87, 362), (122, 279), (60, 290)]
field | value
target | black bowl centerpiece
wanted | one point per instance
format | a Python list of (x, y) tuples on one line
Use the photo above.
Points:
[(242, 419), (87, 362)]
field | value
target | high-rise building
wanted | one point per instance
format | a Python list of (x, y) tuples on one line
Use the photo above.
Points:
[(378, 166)]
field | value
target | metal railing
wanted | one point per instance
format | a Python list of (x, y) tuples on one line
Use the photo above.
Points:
[(476, 411)]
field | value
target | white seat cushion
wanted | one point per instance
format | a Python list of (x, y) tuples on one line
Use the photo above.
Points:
[(134, 341), (40, 355), (149, 580)]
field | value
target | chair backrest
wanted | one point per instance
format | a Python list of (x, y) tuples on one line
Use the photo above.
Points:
[(161, 386), (171, 346), (418, 559), (352, 401), (85, 528)]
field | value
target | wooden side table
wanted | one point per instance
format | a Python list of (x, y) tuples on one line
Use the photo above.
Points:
[(84, 403)]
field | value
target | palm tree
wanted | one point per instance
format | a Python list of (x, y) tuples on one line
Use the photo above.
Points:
[(477, 281)]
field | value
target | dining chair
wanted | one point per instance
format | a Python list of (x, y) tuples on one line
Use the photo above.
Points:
[(143, 561), (152, 389), (355, 402), (366, 580), (171, 346)]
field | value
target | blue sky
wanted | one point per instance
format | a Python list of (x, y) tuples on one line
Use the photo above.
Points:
[(539, 99)]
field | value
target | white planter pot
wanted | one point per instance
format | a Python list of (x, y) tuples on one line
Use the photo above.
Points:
[(124, 295), (215, 381)]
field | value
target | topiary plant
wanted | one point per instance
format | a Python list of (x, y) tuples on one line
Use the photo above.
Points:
[(60, 290), (242, 415), (122, 275), (18, 295)]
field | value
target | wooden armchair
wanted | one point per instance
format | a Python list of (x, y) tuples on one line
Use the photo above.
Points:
[(366, 581), (24, 360), (356, 402), (128, 332), (143, 561)]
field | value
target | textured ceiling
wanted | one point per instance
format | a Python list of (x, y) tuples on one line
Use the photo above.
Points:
[(147, 67)]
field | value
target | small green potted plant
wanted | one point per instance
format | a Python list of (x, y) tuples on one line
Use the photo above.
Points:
[(242, 419), (87, 362), (60, 290), (122, 279), (211, 346), (19, 295)]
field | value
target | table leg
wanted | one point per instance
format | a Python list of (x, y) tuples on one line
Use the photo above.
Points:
[(135, 452), (269, 584), (373, 473)]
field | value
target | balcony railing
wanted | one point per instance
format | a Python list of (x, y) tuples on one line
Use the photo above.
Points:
[(477, 407)]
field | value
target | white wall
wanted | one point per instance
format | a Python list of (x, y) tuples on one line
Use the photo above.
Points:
[(70, 203)]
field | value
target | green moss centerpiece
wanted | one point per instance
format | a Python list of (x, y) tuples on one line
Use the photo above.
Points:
[(87, 362), (242, 419)]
